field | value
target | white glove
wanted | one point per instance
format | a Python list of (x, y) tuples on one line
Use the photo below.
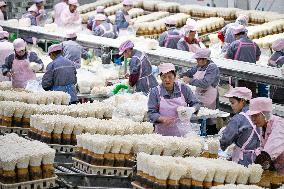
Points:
[(35, 66)]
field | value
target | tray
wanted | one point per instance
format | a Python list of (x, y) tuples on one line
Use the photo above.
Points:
[(42, 184), (66, 149), (102, 170), (18, 130)]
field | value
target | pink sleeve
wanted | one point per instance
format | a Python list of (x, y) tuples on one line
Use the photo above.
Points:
[(64, 17), (274, 145)]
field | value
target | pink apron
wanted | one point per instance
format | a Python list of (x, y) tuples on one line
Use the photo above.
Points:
[(170, 37), (22, 73), (168, 108), (143, 55), (240, 46), (6, 48), (193, 47), (238, 153), (273, 142), (127, 18), (206, 96)]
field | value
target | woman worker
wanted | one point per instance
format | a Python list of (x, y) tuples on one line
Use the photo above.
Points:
[(60, 74), (122, 18), (272, 143), (240, 130), (140, 67), (6, 48), (166, 98), (205, 76), (277, 60), (189, 42), (21, 65)]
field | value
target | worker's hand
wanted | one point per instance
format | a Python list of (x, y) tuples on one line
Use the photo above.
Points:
[(186, 79), (9, 74), (168, 121)]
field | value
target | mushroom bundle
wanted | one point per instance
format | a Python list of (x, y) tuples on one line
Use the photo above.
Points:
[(151, 5), (273, 27), (173, 172), (6, 85), (210, 24), (267, 41), (62, 129), (168, 7), (198, 10), (121, 150), (92, 6), (22, 160), (233, 186), (40, 97), (17, 114)]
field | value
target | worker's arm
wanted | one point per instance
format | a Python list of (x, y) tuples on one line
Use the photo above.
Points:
[(97, 31), (47, 79), (153, 105), (212, 72), (120, 21), (232, 50), (7, 66), (231, 132), (161, 39), (134, 68), (36, 59), (189, 73), (190, 98), (258, 52)]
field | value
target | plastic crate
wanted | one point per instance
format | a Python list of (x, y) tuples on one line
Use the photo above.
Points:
[(42, 184)]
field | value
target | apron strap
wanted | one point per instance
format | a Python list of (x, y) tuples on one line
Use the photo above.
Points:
[(143, 55)]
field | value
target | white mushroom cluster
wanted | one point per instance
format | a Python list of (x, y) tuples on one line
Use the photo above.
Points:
[(41, 97), (151, 17), (22, 160), (205, 112), (132, 106), (193, 171), (151, 5), (267, 41), (18, 113), (172, 7), (273, 27), (6, 85), (210, 24), (92, 6), (233, 186), (67, 128), (130, 145), (260, 17)]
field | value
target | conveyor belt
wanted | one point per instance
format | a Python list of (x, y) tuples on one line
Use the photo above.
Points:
[(237, 69), (70, 177)]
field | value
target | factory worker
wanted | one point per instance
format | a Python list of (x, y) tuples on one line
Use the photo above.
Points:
[(227, 36), (3, 12), (21, 65), (189, 42), (240, 129), (244, 49), (60, 74), (6, 48), (99, 10), (58, 9), (272, 154), (73, 51), (103, 28), (277, 60), (170, 38), (122, 17), (141, 77), (70, 16), (166, 98), (39, 8), (31, 14), (205, 76)]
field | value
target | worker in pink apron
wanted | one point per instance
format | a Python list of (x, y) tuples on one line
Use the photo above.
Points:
[(205, 76), (103, 28), (122, 17), (277, 60), (166, 98), (189, 42), (244, 49), (70, 16), (38, 6), (170, 38), (3, 12), (6, 48), (21, 65), (240, 129), (58, 9), (99, 10), (272, 154), (141, 77)]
